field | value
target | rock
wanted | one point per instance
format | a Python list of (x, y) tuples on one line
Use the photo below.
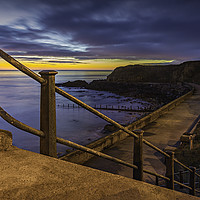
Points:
[(109, 128), (158, 94), (5, 140), (78, 83), (184, 72)]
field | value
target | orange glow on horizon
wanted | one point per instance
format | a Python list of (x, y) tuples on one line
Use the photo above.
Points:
[(98, 64)]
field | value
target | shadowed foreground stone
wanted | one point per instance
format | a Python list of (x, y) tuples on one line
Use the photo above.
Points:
[(5, 140), (27, 175)]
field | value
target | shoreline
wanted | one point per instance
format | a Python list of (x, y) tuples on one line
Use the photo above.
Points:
[(80, 157), (149, 88), (157, 94)]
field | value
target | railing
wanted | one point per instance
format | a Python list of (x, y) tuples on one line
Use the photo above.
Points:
[(48, 139)]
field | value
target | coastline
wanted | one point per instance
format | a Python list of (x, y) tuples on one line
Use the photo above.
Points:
[(80, 157), (167, 93), (156, 94)]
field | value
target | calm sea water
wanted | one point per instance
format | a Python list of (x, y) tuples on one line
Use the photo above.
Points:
[(20, 97)]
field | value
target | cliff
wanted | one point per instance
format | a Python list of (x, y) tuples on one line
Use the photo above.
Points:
[(184, 72)]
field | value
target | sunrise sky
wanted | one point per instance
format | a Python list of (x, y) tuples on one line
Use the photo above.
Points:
[(99, 34)]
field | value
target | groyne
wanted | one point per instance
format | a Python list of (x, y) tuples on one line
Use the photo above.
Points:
[(107, 141)]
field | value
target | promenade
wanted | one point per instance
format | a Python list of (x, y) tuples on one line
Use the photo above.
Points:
[(165, 131)]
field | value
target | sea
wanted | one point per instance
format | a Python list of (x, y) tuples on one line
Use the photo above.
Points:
[(20, 97)]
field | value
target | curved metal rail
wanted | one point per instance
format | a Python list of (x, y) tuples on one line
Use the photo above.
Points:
[(11, 120)]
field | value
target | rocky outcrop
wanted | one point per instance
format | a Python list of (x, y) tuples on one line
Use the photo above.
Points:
[(162, 93), (185, 72), (77, 83)]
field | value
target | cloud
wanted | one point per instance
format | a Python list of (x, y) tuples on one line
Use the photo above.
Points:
[(59, 61), (103, 29)]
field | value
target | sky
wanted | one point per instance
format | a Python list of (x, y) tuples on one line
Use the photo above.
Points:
[(99, 34)]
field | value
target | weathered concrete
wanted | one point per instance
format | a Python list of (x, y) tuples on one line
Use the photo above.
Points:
[(163, 132), (5, 140), (27, 175)]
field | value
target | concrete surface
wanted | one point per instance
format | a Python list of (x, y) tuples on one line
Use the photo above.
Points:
[(5, 140), (165, 131), (27, 175)]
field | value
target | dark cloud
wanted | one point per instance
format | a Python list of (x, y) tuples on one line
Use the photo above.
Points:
[(105, 29), (59, 61), (29, 58)]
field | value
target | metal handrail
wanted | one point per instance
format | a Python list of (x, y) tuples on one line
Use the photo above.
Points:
[(116, 160), (155, 174), (182, 172), (34, 131), (11, 120), (94, 152), (94, 111), (183, 185), (21, 67), (182, 165), (197, 174), (155, 148)]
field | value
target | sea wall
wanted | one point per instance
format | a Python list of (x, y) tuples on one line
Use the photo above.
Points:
[(80, 157), (184, 72)]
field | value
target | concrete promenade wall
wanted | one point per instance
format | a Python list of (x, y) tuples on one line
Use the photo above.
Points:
[(31, 176), (80, 157)]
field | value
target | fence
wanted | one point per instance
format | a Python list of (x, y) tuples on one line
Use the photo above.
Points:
[(48, 139)]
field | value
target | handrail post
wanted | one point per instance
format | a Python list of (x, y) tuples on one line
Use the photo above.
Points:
[(170, 170), (138, 155), (191, 142), (192, 180), (157, 181), (48, 114), (181, 178)]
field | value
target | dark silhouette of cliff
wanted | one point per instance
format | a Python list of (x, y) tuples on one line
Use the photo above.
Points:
[(184, 72)]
